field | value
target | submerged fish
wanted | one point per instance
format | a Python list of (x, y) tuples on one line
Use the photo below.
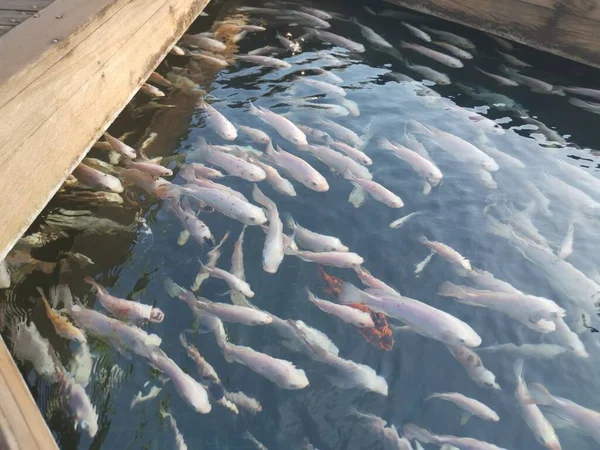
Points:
[(119, 146), (499, 78), (349, 315), (62, 325), (340, 41), (447, 252), (179, 441), (96, 179), (416, 31), (429, 73), (297, 168), (342, 133), (313, 241), (412, 431), (542, 429), (402, 220), (222, 126), (127, 310), (266, 61), (374, 38), (470, 405), (279, 371), (440, 57), (420, 317), (451, 38), (544, 351), (273, 248), (244, 402), (474, 366), (423, 166), (283, 126)]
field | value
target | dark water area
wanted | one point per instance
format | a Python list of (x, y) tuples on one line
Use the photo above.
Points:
[(133, 264)]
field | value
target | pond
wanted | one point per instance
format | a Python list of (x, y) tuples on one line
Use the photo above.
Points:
[(494, 176)]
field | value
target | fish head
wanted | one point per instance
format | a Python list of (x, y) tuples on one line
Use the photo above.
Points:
[(257, 218), (298, 139), (297, 380), (317, 184), (166, 172), (490, 165), (156, 315), (550, 442)]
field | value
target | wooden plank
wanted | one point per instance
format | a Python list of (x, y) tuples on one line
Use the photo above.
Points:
[(59, 104), (582, 8), (21, 424), (24, 5), (13, 18), (573, 37)]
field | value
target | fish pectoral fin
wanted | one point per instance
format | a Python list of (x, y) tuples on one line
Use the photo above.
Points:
[(465, 418), (183, 237), (559, 422), (426, 188)]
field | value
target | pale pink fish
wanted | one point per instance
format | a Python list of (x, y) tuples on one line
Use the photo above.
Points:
[(147, 166), (317, 135), (347, 260), (577, 417), (206, 172), (470, 405), (423, 166), (429, 73), (279, 371), (145, 181), (534, 418), (420, 317), (345, 166), (412, 431), (188, 174), (197, 229), (417, 32), (499, 78), (452, 38), (210, 58), (176, 50), (342, 133), (283, 126), (277, 182), (218, 121), (127, 310), (79, 403), (255, 135), (151, 91), (234, 313), (348, 314), (370, 281), (569, 339), (316, 12), (224, 202), (474, 367), (203, 42), (297, 168), (266, 61), (440, 57), (157, 78), (315, 242), (120, 147), (377, 191), (244, 402), (273, 248), (232, 281), (338, 40), (205, 369), (98, 180), (125, 336), (234, 165), (447, 252), (192, 392), (456, 51), (528, 309), (323, 86), (353, 153)]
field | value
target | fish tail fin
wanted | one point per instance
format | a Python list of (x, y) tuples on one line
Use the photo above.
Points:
[(289, 221), (253, 110), (269, 149), (429, 397), (311, 296), (91, 281), (172, 288), (448, 289), (350, 294), (539, 395), (367, 133), (183, 340), (386, 144), (259, 197), (412, 431), (358, 196), (422, 240), (518, 368)]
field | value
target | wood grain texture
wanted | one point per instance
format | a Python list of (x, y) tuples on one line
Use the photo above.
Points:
[(583, 8), (21, 424), (49, 122), (555, 30)]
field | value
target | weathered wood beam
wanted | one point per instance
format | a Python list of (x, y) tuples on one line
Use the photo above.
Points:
[(68, 74), (568, 29)]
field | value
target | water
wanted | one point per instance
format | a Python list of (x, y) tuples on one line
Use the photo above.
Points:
[(134, 265)]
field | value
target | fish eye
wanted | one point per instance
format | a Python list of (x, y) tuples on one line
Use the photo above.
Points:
[(313, 183), (253, 219), (462, 341)]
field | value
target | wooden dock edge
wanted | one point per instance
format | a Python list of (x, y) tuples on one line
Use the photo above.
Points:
[(567, 29), (67, 74), (61, 90)]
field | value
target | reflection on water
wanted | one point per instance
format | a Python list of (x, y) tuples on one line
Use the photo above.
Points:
[(489, 215)]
